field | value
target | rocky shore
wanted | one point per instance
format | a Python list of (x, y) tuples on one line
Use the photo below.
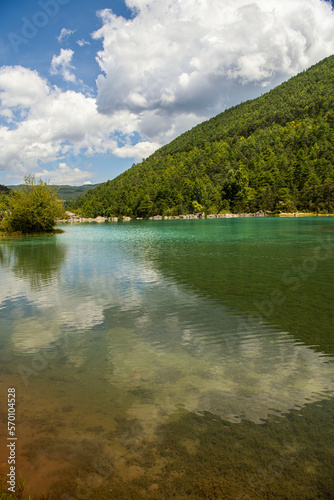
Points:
[(201, 215), (75, 218)]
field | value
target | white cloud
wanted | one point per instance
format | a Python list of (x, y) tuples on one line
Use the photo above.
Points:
[(171, 66), (139, 151), (14, 91), (62, 64), (82, 42), (53, 122), (65, 33), (65, 175), (193, 58)]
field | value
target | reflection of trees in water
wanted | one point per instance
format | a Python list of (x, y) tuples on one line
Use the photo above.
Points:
[(37, 260), (249, 277), (2, 256)]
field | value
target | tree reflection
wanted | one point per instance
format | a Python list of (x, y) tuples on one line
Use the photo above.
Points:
[(37, 260)]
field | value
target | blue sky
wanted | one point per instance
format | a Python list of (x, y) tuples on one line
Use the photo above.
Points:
[(89, 88)]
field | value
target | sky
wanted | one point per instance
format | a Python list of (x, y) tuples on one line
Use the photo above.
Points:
[(90, 87)]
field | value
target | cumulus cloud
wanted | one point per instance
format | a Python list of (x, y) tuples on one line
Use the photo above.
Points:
[(14, 91), (65, 33), (181, 61), (62, 65), (50, 123), (169, 67), (65, 174), (139, 151)]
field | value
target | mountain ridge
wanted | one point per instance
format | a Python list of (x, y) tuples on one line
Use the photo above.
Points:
[(274, 152), (66, 192)]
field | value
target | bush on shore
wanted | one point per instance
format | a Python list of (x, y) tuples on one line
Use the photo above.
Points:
[(32, 209)]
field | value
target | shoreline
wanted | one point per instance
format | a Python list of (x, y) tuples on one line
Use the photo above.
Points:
[(17, 235), (75, 218)]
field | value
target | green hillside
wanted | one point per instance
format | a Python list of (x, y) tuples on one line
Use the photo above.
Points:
[(71, 193), (67, 193), (275, 152), (4, 189)]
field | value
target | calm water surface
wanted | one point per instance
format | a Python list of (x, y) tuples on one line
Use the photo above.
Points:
[(172, 359)]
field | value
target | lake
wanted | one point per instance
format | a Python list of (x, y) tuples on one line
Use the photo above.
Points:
[(171, 359)]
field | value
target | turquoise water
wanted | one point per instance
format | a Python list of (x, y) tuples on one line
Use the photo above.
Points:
[(172, 359)]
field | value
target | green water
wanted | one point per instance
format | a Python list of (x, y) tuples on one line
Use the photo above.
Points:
[(172, 359)]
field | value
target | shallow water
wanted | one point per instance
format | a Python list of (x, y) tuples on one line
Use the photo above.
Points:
[(172, 359)]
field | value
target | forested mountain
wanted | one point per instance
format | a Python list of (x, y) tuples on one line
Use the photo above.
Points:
[(65, 192), (275, 152), (70, 193)]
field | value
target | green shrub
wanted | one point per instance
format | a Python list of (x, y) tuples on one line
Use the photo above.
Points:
[(34, 208)]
